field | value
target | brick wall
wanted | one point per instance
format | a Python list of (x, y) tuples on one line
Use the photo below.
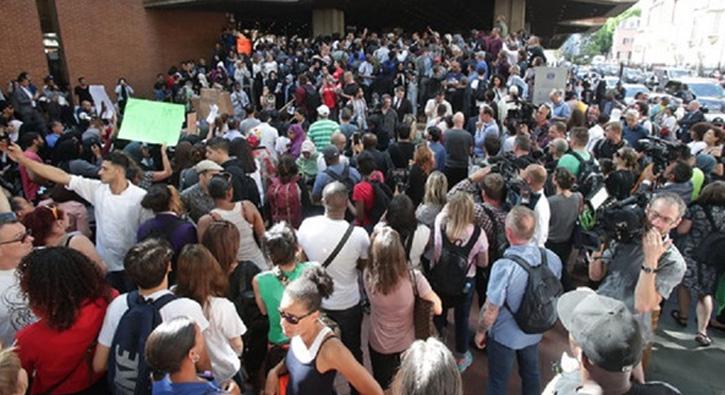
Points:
[(107, 39), (22, 42)]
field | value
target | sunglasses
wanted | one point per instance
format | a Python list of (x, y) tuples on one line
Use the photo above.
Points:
[(294, 320), (54, 209), (20, 238)]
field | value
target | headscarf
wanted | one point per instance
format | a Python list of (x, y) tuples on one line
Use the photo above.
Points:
[(295, 147)]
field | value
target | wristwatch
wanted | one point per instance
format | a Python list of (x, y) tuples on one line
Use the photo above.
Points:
[(649, 270)]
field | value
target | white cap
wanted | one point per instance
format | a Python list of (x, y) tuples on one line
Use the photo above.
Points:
[(323, 110)]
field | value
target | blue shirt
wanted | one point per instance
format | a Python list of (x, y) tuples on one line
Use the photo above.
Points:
[(561, 110), (633, 135), (166, 387), (489, 129), (506, 289), (439, 152), (51, 139), (323, 179)]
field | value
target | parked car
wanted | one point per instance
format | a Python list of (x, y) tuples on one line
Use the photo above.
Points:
[(631, 90), (707, 91)]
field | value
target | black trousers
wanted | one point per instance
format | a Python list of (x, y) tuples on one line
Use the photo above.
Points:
[(384, 367)]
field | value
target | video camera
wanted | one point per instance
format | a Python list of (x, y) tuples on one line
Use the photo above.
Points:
[(612, 220), (660, 152)]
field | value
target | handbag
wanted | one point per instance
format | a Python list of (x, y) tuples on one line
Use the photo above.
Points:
[(422, 313)]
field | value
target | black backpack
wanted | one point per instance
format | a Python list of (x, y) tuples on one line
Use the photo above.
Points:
[(382, 196), (343, 177), (711, 250), (498, 245), (128, 372), (589, 176), (537, 311), (480, 93), (449, 273)]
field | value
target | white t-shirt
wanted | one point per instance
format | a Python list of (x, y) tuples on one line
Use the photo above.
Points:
[(267, 137), (180, 307), (224, 324), (543, 215), (318, 237), (596, 133), (14, 311), (117, 217), (696, 147)]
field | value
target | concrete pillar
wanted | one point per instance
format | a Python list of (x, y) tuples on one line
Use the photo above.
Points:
[(327, 21), (513, 10)]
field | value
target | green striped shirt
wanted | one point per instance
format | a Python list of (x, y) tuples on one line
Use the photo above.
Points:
[(321, 131)]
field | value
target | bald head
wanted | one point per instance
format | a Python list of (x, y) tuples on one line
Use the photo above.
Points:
[(334, 197), (339, 140), (535, 176), (458, 120)]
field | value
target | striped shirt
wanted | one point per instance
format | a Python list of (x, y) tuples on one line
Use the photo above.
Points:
[(321, 131)]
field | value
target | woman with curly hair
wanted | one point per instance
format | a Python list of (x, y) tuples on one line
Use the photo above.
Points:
[(69, 295), (200, 278), (49, 225), (390, 285)]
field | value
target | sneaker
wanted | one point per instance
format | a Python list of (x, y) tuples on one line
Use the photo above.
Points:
[(464, 362)]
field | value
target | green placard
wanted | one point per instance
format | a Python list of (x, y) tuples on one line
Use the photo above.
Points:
[(152, 122)]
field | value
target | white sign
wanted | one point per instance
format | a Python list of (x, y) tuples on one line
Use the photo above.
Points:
[(545, 80), (99, 95)]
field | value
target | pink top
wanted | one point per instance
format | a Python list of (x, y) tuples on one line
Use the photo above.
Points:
[(480, 246), (391, 316), (77, 215)]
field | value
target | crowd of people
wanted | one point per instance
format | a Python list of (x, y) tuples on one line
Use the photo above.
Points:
[(392, 175)]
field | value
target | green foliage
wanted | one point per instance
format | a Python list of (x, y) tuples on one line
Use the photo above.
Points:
[(600, 42)]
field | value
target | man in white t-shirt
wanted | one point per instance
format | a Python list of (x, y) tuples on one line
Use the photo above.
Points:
[(267, 133), (148, 265), (116, 207), (535, 178), (319, 236), (15, 243)]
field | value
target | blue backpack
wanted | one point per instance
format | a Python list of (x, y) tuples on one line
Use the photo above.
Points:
[(128, 372)]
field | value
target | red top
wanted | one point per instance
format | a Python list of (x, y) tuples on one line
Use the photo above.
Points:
[(52, 355), (29, 187), (329, 96)]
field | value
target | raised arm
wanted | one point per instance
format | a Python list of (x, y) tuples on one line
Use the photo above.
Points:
[(50, 173)]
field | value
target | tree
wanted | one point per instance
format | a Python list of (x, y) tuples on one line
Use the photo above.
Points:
[(600, 42)]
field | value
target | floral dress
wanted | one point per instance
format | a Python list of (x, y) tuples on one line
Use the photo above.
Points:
[(699, 277)]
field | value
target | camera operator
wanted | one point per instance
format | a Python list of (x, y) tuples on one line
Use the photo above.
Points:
[(676, 178), (643, 272), (611, 143)]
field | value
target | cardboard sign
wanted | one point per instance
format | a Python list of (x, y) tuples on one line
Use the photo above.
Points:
[(152, 122), (209, 96), (191, 127), (99, 95), (545, 80)]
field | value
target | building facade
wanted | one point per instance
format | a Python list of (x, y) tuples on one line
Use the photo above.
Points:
[(623, 40)]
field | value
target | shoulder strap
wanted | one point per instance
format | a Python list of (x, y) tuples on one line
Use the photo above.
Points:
[(333, 175), (339, 246), (474, 237), (519, 261), (409, 245), (163, 301), (413, 282)]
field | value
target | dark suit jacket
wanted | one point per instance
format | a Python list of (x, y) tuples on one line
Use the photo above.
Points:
[(404, 108), (22, 103)]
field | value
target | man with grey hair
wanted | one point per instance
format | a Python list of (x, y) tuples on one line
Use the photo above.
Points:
[(339, 140), (557, 148), (633, 131), (428, 368), (560, 110), (691, 117), (319, 238), (498, 330), (643, 272)]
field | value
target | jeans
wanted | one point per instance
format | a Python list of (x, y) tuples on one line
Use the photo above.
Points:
[(350, 322), (462, 309), (384, 367), (500, 363)]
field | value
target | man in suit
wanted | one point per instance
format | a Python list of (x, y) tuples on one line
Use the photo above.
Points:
[(24, 103), (691, 117), (401, 104)]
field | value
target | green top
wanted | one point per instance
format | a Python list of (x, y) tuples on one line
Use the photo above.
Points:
[(321, 131), (271, 290), (308, 167), (571, 163), (698, 178)]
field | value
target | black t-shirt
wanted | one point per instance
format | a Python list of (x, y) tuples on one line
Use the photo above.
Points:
[(401, 153), (83, 94), (606, 149), (458, 144), (416, 185)]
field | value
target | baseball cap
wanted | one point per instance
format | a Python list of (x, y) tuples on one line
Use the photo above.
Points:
[(308, 146), (323, 110), (604, 328), (206, 165), (330, 152)]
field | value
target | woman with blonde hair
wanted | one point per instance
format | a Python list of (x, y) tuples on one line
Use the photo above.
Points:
[(434, 198), (13, 378), (201, 278), (391, 287), (423, 164), (455, 235)]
